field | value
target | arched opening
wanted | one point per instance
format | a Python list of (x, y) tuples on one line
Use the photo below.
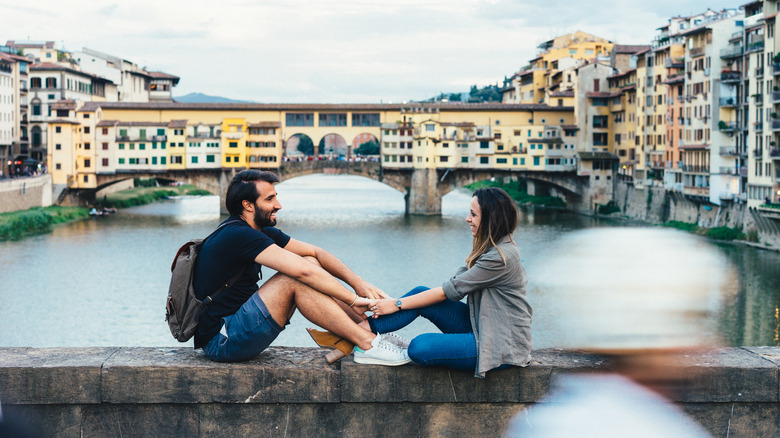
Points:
[(365, 143), (36, 136), (299, 145), (333, 146)]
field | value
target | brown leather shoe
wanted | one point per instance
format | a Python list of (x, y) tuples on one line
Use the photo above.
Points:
[(326, 339)]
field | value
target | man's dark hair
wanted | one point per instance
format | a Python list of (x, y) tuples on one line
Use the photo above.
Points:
[(243, 188)]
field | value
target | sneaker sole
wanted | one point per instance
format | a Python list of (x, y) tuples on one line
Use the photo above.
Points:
[(369, 361)]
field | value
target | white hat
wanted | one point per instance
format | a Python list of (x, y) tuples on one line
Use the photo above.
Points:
[(618, 289)]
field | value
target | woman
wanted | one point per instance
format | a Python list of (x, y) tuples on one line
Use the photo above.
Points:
[(493, 329)]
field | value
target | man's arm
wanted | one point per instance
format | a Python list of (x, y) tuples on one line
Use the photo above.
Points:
[(337, 268), (295, 266)]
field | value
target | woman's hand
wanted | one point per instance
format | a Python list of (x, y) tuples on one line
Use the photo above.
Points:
[(361, 305), (368, 290), (382, 307)]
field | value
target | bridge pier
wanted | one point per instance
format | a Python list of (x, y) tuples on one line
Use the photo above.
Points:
[(423, 197)]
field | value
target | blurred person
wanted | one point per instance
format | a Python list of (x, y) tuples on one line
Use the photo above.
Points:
[(640, 297)]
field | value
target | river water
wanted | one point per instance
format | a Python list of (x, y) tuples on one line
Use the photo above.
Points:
[(103, 281)]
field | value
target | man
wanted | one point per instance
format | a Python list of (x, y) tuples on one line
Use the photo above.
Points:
[(243, 320)]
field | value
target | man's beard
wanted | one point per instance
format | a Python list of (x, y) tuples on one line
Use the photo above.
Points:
[(263, 218)]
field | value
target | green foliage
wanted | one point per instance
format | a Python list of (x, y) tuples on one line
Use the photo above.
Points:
[(520, 195), (489, 93), (19, 224), (752, 235), (198, 192), (305, 145), (609, 208), (148, 182), (147, 195), (717, 233), (370, 147)]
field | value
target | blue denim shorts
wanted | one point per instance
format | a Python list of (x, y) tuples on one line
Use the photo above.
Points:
[(245, 334)]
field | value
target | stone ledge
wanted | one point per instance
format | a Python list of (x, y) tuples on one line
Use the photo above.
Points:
[(301, 375)]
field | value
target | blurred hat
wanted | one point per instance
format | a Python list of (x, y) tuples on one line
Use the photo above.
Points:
[(628, 289)]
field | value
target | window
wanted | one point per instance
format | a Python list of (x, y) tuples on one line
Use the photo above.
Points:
[(484, 144), (209, 158), (194, 159), (160, 131), (162, 160), (500, 160), (233, 144), (87, 146), (58, 166), (58, 129), (365, 119), (484, 160), (86, 130), (300, 119), (121, 161), (429, 127), (87, 163), (154, 160), (104, 162), (333, 119), (464, 159), (58, 146), (121, 146)]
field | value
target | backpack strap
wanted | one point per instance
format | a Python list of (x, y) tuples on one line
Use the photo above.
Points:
[(209, 298)]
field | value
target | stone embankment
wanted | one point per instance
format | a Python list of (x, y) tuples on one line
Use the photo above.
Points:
[(139, 392), (656, 205), (23, 193)]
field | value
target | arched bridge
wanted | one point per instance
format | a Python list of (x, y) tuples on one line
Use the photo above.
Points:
[(423, 188)]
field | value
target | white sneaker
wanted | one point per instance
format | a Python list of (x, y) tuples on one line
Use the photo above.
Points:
[(398, 341), (382, 352)]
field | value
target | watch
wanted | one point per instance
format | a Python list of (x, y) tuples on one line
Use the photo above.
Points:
[(398, 303)]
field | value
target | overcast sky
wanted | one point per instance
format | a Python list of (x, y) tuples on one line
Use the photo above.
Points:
[(322, 51)]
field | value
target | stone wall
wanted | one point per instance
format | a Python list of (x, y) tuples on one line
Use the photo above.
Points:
[(139, 392), (24, 193)]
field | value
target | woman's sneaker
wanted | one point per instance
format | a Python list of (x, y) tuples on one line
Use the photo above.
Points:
[(398, 341), (382, 352)]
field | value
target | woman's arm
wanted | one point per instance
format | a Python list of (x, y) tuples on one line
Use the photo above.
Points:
[(424, 298)]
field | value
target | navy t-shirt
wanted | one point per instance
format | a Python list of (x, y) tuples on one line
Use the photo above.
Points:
[(223, 255)]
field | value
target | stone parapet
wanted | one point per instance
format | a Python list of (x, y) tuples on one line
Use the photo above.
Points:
[(23, 193), (84, 392)]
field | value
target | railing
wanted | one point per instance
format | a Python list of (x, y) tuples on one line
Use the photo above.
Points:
[(776, 96), (775, 124), (759, 72), (730, 76), (698, 51), (774, 152), (695, 169), (727, 101), (728, 171), (759, 99), (159, 138), (776, 68), (758, 152), (755, 46), (674, 62), (553, 153), (728, 151), (727, 127), (759, 126), (696, 191), (731, 52)]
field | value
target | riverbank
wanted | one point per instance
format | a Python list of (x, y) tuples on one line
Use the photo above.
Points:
[(37, 220), (146, 195), (521, 196)]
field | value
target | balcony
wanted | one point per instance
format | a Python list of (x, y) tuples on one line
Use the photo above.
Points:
[(776, 68), (759, 72), (699, 51), (729, 171), (728, 151), (731, 52), (774, 153), (695, 169), (727, 76), (755, 46), (758, 99), (776, 96), (727, 126), (758, 152), (697, 191), (159, 138), (759, 126), (553, 153), (728, 101), (775, 124), (675, 62)]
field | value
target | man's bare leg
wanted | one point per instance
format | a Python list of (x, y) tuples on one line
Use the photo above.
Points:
[(282, 295)]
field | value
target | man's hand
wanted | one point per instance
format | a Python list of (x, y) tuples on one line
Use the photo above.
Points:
[(368, 290), (382, 307), (361, 306)]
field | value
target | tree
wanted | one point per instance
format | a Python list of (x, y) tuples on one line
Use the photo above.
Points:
[(305, 145), (370, 147)]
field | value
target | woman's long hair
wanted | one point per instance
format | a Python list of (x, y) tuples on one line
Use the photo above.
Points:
[(499, 219)]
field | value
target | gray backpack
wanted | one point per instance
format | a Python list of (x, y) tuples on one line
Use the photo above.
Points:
[(183, 308)]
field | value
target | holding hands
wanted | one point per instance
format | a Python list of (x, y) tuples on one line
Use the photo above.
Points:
[(383, 307)]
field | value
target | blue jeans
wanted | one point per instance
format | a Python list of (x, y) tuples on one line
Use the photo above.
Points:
[(455, 347), (244, 334)]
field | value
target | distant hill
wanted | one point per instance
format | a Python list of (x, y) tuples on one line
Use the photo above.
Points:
[(204, 98)]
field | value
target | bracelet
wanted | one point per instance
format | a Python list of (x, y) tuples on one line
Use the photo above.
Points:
[(353, 301)]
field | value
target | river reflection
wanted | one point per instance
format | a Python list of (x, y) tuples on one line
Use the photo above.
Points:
[(103, 281)]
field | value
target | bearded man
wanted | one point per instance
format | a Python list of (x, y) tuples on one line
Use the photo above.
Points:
[(243, 319)]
